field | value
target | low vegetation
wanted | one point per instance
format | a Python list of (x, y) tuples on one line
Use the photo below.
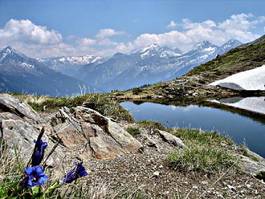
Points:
[(136, 91), (151, 125), (205, 152), (201, 158), (134, 131), (99, 102)]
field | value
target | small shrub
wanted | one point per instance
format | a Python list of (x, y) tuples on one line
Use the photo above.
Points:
[(133, 131), (151, 125), (136, 91), (200, 158)]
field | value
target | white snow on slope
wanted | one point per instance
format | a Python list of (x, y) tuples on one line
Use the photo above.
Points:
[(247, 80), (253, 104)]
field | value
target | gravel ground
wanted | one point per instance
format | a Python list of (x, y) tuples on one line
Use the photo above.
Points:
[(151, 176)]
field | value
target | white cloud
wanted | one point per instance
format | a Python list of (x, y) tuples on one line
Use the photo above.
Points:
[(40, 41), (25, 30), (172, 24), (108, 32), (241, 27)]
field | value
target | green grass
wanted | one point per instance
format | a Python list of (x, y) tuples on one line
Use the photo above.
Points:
[(205, 152), (200, 158), (99, 102), (195, 137), (151, 125), (134, 131)]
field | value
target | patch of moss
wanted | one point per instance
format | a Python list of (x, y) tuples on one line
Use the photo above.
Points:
[(133, 131)]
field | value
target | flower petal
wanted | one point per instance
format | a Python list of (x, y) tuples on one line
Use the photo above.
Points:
[(28, 170)]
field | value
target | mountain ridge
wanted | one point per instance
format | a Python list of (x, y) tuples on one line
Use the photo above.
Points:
[(20, 73), (149, 65)]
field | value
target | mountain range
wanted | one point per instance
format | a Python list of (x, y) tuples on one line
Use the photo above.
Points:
[(59, 76), (149, 65), (19, 73)]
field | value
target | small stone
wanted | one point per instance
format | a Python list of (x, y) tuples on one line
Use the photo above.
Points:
[(248, 186), (195, 187), (232, 188), (156, 173), (204, 182)]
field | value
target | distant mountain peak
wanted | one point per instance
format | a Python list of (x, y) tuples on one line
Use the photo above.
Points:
[(7, 52), (156, 50), (203, 44), (8, 49), (152, 47), (232, 42)]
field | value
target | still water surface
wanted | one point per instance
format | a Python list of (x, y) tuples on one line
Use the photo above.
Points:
[(241, 129)]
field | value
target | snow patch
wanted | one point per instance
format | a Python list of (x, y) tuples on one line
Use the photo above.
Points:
[(27, 66), (253, 79)]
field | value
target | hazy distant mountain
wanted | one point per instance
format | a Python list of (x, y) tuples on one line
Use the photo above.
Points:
[(149, 65), (229, 45), (70, 65), (19, 73)]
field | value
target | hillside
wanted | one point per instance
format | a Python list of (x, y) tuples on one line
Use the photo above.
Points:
[(195, 84)]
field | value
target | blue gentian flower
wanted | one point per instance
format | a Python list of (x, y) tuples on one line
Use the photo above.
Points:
[(38, 153), (35, 176), (75, 173)]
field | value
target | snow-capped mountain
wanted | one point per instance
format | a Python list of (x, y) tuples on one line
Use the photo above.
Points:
[(19, 73), (10, 56), (70, 65), (156, 50), (71, 60), (229, 45), (149, 65)]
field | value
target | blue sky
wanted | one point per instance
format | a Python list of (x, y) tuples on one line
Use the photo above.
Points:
[(105, 27)]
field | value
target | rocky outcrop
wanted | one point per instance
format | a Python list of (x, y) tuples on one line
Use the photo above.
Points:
[(171, 139), (91, 134), (79, 132), (15, 106), (252, 163)]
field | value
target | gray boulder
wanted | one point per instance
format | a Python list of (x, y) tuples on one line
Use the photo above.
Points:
[(13, 105)]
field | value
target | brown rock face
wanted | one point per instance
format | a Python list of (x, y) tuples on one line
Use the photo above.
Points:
[(92, 134)]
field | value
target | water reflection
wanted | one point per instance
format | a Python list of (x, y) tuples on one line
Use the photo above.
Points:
[(240, 128)]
